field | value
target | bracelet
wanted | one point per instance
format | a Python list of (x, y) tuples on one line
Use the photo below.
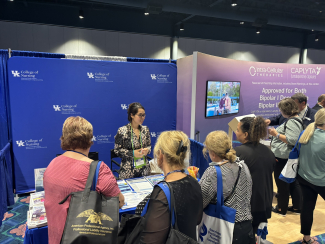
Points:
[(278, 135)]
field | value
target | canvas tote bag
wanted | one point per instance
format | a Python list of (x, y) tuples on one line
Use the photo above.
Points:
[(92, 217), (289, 172), (218, 221)]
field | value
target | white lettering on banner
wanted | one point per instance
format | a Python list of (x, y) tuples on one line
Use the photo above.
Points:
[(305, 73), (267, 98), (269, 91), (160, 78), (99, 76), (101, 139), (124, 106), (266, 105), (266, 72), (26, 75), (66, 109), (31, 144)]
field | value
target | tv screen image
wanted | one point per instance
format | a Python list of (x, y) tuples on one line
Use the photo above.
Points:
[(222, 97)]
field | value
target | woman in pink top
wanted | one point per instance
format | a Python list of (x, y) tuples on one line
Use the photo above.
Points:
[(68, 173)]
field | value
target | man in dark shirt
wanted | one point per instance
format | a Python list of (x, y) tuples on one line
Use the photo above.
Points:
[(306, 113), (321, 103)]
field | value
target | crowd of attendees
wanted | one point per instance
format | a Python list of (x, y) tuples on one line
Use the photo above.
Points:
[(247, 171)]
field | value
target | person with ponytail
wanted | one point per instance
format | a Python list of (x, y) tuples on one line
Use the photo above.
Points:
[(311, 173), (170, 152), (219, 147), (260, 161)]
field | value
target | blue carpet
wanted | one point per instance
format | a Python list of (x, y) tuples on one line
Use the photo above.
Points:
[(14, 222), (320, 240)]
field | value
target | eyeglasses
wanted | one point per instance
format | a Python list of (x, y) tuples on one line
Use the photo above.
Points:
[(142, 115)]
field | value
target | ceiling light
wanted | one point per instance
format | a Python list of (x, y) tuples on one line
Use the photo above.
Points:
[(242, 22), (233, 3), (146, 13), (11, 0), (258, 30), (316, 38), (320, 11), (312, 30), (81, 14), (181, 27)]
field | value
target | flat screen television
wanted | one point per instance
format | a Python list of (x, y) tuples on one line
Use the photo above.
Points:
[(222, 98)]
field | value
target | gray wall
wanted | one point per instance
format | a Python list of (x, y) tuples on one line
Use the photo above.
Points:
[(57, 39)]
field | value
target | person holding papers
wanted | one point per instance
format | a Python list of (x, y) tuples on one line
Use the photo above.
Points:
[(170, 151), (133, 144), (69, 172)]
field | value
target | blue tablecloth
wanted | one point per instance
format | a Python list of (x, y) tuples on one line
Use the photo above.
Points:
[(40, 235)]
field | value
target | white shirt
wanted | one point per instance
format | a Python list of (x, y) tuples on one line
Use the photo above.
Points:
[(303, 113)]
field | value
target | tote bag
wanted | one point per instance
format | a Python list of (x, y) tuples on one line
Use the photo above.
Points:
[(289, 172), (92, 217), (218, 221)]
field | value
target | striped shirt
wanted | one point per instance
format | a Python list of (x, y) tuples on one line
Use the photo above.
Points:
[(240, 199)]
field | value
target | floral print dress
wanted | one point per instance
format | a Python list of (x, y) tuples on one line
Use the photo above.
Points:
[(123, 149)]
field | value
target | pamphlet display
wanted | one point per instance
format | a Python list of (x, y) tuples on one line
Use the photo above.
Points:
[(135, 190), (36, 216), (39, 174)]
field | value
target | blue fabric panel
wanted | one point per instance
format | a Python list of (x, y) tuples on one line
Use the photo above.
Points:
[(150, 60), (4, 100), (197, 158), (44, 92), (36, 54)]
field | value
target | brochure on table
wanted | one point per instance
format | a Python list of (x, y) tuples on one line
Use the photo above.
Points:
[(135, 190)]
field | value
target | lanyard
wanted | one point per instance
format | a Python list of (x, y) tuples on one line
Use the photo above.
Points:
[(178, 170), (132, 138), (77, 152)]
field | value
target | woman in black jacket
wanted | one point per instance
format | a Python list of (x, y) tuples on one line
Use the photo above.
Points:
[(260, 161)]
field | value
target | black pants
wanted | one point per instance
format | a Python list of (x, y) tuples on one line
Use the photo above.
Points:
[(309, 193), (284, 189), (243, 233)]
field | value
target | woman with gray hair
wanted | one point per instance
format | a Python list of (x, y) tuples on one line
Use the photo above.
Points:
[(311, 173), (284, 139)]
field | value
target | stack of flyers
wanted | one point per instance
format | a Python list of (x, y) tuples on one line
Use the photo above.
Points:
[(140, 185), (154, 179), (124, 187), (37, 217), (36, 198)]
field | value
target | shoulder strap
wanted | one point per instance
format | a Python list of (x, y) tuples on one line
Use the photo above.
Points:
[(95, 180), (92, 171), (298, 142), (233, 189), (296, 119), (166, 190)]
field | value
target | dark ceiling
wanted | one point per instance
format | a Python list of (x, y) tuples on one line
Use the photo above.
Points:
[(293, 23)]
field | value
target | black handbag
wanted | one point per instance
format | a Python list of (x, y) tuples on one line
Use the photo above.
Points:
[(92, 217), (132, 225)]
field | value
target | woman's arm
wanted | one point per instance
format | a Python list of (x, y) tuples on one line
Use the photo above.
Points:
[(121, 200), (157, 219), (119, 147), (208, 185), (273, 132)]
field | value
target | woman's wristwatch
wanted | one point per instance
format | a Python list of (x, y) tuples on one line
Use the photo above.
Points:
[(278, 135)]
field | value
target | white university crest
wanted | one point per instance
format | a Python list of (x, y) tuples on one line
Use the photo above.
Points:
[(123, 106), (94, 138), (20, 143), (153, 76), (56, 107), (90, 75), (15, 73), (153, 134)]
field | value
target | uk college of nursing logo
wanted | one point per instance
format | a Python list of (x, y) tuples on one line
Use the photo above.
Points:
[(101, 139), (160, 78), (99, 76), (265, 71), (15, 73), (31, 143), (66, 109), (155, 134), (90, 75), (30, 75), (124, 106), (20, 143)]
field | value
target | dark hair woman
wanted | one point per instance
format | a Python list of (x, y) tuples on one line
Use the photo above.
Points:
[(133, 143), (260, 161)]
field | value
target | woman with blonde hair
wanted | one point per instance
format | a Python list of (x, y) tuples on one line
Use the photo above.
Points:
[(69, 172), (219, 147), (170, 151), (311, 173)]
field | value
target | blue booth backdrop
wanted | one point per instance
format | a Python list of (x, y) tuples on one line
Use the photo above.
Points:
[(44, 92)]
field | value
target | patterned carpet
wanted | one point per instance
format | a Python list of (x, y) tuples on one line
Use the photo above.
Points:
[(14, 222), (320, 239)]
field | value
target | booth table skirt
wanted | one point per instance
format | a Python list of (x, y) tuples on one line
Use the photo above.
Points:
[(40, 235)]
